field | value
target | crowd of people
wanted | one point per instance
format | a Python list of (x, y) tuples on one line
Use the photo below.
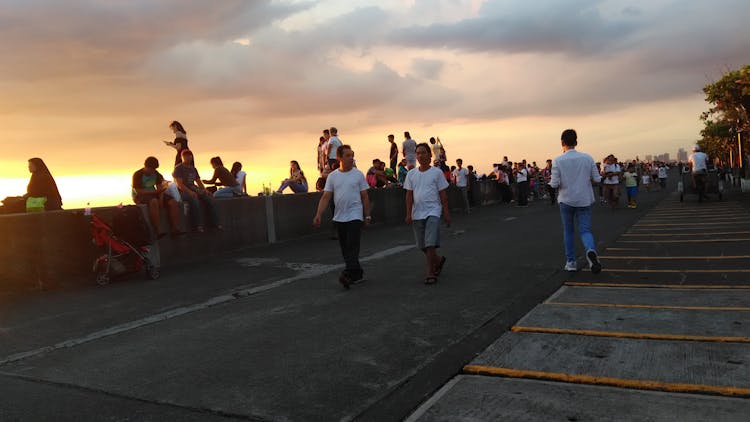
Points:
[(421, 169)]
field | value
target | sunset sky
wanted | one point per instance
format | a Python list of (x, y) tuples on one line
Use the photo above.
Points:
[(91, 86)]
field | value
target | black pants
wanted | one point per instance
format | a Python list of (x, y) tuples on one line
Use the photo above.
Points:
[(552, 194), (506, 193), (699, 181), (349, 236), (523, 193)]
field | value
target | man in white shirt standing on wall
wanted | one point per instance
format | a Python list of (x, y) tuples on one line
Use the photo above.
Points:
[(409, 149), (333, 146), (572, 174), (699, 168), (348, 187)]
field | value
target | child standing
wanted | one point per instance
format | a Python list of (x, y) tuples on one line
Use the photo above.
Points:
[(646, 178), (631, 185)]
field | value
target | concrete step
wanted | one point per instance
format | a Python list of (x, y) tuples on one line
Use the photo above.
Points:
[(720, 368), (476, 398), (720, 325), (729, 299)]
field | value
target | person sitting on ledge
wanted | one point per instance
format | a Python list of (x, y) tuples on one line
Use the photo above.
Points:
[(42, 185), (402, 171), (296, 181), (148, 189), (230, 186), (240, 176), (194, 193), (376, 175)]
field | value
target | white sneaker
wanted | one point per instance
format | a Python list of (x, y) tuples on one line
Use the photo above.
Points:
[(571, 266), (593, 259)]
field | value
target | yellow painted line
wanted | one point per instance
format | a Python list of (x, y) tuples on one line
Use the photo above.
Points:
[(716, 223), (608, 381), (627, 306), (687, 234), (619, 334), (693, 215), (745, 239), (721, 218), (677, 229), (683, 270), (658, 286), (623, 249), (661, 258)]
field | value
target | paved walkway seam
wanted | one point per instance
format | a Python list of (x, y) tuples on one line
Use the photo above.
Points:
[(618, 334), (658, 286), (619, 305)]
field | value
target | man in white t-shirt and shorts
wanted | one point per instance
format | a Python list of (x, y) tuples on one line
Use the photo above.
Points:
[(426, 201), (699, 168), (409, 149), (611, 172), (348, 187)]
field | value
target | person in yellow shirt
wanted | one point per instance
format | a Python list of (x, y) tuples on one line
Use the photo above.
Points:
[(631, 185)]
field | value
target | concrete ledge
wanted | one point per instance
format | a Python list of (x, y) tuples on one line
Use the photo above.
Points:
[(46, 248)]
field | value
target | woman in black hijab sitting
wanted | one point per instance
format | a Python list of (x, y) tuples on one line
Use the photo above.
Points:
[(42, 184)]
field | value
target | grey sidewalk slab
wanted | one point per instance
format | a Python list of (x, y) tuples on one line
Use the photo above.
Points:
[(690, 362), (651, 297), (25, 400), (642, 321), (477, 398)]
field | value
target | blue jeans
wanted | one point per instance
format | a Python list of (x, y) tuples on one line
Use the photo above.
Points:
[(227, 192), (196, 212), (296, 187), (569, 215)]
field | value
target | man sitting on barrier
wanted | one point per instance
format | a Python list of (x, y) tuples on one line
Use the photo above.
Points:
[(194, 193), (148, 189)]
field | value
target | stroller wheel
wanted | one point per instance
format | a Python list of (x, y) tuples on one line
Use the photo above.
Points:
[(152, 272), (102, 278)]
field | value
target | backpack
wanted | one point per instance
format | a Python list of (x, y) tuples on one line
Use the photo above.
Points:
[(129, 225)]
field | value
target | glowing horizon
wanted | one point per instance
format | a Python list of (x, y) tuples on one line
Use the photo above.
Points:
[(92, 86)]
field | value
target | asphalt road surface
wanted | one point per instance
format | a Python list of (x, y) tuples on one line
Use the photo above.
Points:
[(268, 333)]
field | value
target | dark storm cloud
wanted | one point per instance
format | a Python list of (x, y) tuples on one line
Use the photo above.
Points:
[(48, 38), (547, 26)]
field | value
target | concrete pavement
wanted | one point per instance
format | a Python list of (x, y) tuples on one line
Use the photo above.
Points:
[(663, 333), (268, 334)]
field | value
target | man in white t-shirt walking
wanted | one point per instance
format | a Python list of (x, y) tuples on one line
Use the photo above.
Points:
[(699, 168), (426, 201), (460, 177), (409, 149), (348, 188), (572, 173)]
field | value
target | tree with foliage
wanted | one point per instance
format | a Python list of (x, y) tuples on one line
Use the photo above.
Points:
[(729, 98)]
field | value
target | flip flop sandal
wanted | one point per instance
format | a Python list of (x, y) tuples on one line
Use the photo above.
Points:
[(439, 267), (430, 280)]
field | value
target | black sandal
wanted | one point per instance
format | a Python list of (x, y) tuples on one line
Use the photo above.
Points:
[(430, 280), (439, 266)]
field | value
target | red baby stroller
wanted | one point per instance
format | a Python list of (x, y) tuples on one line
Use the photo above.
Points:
[(127, 245)]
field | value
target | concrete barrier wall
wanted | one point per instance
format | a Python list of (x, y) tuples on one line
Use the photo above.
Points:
[(44, 248)]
